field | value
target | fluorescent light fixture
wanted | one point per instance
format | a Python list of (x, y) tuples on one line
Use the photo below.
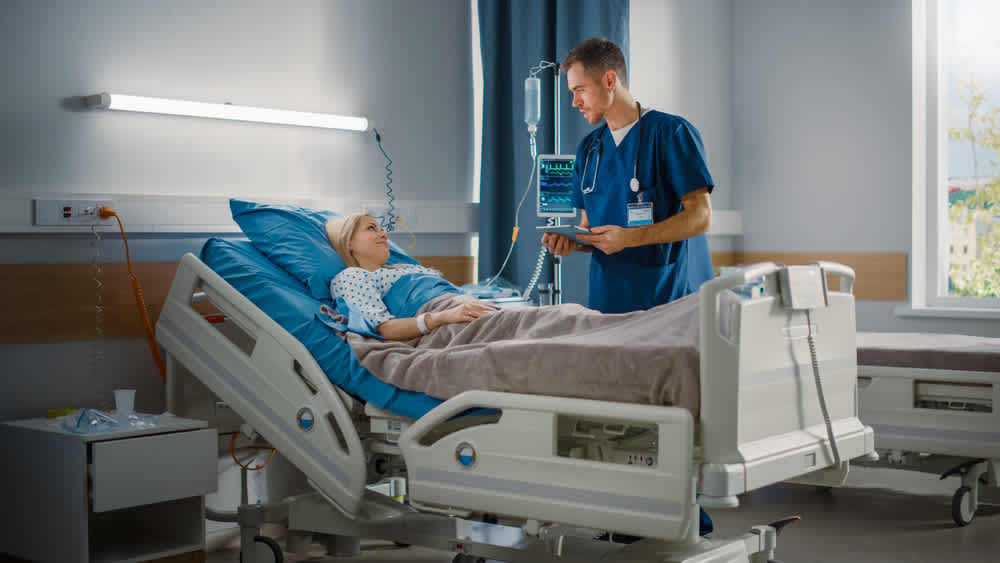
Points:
[(225, 111)]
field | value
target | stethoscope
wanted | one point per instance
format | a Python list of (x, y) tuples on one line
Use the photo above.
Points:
[(634, 182)]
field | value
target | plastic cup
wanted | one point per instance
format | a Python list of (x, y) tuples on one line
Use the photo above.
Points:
[(125, 401)]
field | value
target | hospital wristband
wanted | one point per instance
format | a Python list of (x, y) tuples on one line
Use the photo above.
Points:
[(421, 325)]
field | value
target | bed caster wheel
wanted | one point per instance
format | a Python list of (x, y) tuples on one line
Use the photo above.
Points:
[(466, 558), (962, 508), (261, 544)]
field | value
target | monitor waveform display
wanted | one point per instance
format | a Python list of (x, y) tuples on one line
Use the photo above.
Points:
[(555, 186)]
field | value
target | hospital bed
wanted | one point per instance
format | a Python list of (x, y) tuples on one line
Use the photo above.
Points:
[(933, 402), (517, 477)]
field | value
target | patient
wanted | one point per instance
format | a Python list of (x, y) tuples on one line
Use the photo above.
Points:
[(364, 247)]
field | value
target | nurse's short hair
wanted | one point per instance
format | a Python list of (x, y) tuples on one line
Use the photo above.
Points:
[(340, 231), (597, 56)]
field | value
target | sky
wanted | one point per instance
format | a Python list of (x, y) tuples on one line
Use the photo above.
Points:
[(971, 40)]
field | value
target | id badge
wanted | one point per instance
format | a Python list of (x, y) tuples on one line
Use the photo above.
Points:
[(640, 214)]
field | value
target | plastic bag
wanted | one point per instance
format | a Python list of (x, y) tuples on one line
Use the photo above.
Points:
[(93, 421), (88, 421)]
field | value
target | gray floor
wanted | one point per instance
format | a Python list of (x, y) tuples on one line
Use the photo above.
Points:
[(883, 515)]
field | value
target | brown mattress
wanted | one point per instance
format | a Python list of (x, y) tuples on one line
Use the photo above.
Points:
[(929, 351)]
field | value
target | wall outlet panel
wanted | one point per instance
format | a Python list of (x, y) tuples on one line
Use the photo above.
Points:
[(68, 212)]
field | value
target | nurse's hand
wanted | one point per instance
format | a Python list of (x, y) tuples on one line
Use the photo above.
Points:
[(609, 239), (559, 245)]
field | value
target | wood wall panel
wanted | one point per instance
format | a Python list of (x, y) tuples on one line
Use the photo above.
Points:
[(58, 302), (459, 270), (878, 276)]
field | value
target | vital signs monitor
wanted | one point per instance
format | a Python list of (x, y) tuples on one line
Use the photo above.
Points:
[(555, 185)]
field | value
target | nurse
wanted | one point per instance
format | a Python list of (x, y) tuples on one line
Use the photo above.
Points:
[(643, 188)]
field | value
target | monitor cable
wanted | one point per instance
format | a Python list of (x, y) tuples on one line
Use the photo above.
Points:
[(390, 219)]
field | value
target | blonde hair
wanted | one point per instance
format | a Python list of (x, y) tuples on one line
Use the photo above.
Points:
[(340, 231)]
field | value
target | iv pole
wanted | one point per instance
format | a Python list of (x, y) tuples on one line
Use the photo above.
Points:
[(556, 260)]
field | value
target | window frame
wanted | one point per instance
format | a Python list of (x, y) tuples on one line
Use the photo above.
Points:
[(929, 256)]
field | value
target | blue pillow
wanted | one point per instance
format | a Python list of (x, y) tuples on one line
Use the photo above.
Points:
[(295, 239), (287, 301)]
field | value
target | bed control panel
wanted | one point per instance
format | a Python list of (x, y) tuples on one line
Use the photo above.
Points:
[(803, 287)]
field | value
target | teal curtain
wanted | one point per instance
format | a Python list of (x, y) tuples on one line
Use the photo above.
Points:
[(515, 36)]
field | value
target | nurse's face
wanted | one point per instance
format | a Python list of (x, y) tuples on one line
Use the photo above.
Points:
[(369, 244), (592, 97)]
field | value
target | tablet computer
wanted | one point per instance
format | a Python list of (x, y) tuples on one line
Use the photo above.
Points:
[(567, 230)]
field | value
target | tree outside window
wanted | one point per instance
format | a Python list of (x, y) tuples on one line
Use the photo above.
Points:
[(972, 60)]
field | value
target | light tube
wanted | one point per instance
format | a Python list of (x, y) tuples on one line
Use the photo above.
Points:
[(225, 111)]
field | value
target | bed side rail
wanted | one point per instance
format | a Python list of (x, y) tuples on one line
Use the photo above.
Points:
[(594, 464), (761, 414), (276, 386)]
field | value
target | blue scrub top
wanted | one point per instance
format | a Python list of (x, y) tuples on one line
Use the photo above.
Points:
[(671, 165)]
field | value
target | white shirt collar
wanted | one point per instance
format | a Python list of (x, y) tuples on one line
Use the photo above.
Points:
[(619, 134)]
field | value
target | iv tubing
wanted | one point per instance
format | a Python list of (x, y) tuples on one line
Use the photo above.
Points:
[(513, 238)]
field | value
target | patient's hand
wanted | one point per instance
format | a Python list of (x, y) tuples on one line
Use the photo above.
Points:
[(466, 312)]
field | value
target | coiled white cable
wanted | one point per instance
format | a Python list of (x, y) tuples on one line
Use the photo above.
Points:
[(819, 391), (534, 276)]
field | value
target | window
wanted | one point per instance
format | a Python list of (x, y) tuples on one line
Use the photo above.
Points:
[(955, 263)]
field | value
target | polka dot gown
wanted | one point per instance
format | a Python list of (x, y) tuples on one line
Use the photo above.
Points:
[(363, 290)]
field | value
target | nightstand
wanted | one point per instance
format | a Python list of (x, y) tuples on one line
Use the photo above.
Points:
[(129, 495)]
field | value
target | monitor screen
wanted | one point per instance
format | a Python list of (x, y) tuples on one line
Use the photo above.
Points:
[(555, 185)]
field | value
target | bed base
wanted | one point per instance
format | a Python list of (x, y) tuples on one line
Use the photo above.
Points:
[(312, 519), (550, 465)]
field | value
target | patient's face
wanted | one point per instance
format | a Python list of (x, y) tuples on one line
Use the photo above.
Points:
[(370, 244)]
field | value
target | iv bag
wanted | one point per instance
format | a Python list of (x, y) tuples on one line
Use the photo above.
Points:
[(532, 102)]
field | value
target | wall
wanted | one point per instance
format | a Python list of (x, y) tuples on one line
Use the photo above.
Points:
[(680, 62), (822, 135), (805, 110), (406, 67)]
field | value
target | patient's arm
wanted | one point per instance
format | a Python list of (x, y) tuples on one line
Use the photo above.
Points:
[(407, 328), (401, 329)]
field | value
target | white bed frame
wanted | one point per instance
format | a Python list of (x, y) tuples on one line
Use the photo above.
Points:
[(554, 469), (936, 421)]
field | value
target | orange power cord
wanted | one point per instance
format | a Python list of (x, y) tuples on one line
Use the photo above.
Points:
[(106, 212), (259, 466)]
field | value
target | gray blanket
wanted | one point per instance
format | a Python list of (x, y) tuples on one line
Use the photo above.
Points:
[(648, 357)]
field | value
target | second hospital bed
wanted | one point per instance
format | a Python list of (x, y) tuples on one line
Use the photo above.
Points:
[(555, 465), (934, 403)]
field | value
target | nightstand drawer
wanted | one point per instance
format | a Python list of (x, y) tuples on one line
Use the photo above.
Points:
[(155, 468)]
